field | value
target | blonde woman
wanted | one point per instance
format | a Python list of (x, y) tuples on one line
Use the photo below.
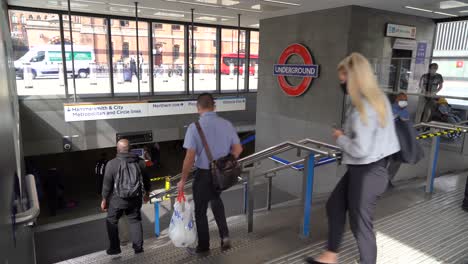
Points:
[(368, 138)]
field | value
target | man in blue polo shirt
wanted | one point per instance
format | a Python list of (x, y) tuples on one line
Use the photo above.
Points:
[(222, 140)]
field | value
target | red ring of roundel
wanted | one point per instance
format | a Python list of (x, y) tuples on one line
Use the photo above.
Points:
[(302, 52)]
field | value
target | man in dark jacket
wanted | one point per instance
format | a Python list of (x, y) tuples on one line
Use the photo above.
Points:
[(116, 206)]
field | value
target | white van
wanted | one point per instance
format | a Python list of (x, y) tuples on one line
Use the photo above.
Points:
[(45, 60)]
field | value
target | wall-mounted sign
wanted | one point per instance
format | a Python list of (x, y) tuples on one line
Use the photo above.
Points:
[(421, 53), (102, 111), (400, 31), (459, 64), (404, 44), (308, 71)]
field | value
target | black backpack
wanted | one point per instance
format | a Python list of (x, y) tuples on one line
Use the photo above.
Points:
[(411, 151), (128, 181)]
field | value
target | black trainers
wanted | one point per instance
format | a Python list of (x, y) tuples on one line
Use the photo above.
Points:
[(225, 243), (198, 252), (465, 208), (311, 260), (111, 251), (139, 250)]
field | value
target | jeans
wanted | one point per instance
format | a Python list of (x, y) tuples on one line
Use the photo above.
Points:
[(357, 194), (204, 193), (131, 208)]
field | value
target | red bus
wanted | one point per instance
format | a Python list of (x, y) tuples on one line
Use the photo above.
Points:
[(231, 58)]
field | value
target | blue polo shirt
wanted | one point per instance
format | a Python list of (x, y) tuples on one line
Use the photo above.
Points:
[(399, 112), (219, 133)]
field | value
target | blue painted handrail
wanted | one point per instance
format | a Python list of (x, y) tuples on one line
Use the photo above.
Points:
[(248, 139)]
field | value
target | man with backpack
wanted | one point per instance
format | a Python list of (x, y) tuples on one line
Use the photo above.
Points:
[(207, 141), (125, 185)]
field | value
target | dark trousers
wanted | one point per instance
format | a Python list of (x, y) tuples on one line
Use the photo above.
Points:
[(131, 208), (357, 194), (393, 167), (465, 201), (203, 193)]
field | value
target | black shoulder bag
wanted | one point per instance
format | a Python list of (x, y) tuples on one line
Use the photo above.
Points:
[(225, 171)]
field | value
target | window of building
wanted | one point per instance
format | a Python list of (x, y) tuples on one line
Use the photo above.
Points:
[(176, 51), (168, 62), (253, 65), (124, 23), (37, 60), (131, 64), (175, 27), (38, 17), (158, 26), (14, 19), (232, 61), (91, 60), (45, 17), (450, 53), (125, 50), (204, 54)]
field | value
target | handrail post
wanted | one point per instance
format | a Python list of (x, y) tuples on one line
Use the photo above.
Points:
[(250, 198), (246, 190), (308, 179), (269, 191), (432, 169), (157, 229)]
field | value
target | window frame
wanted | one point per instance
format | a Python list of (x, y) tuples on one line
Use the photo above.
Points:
[(62, 14)]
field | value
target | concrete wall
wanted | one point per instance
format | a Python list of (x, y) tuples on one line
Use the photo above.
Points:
[(280, 117), (330, 35), (44, 126)]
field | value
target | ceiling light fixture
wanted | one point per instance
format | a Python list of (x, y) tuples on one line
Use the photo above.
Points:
[(256, 7), (243, 9), (282, 2), (445, 14), (207, 18), (430, 11), (91, 2), (165, 14), (200, 4), (112, 4), (255, 25), (419, 9), (464, 11), (452, 4)]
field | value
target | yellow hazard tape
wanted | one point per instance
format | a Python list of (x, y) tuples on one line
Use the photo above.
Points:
[(167, 184), (440, 133)]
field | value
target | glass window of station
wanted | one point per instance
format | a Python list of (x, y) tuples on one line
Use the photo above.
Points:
[(109, 61)]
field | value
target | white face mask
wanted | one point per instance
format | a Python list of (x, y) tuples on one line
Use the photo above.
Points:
[(403, 104)]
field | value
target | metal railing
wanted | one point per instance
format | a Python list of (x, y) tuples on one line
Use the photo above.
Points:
[(435, 146), (311, 154), (316, 154), (29, 216)]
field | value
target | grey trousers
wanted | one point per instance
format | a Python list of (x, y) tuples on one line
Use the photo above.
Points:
[(393, 167), (357, 194)]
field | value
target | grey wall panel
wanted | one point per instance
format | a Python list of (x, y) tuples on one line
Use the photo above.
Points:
[(280, 117), (44, 126)]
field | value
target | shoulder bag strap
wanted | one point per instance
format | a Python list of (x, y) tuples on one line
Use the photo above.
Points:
[(203, 139)]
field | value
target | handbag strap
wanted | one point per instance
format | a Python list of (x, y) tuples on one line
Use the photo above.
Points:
[(203, 139)]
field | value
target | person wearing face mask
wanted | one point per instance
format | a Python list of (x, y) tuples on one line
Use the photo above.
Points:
[(400, 111), (430, 84), (368, 124)]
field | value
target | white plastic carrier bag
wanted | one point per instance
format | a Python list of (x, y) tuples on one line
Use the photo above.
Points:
[(182, 229)]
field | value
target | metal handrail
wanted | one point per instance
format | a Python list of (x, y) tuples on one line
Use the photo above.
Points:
[(32, 213), (266, 153), (440, 125)]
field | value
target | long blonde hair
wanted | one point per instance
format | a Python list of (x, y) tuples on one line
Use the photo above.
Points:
[(361, 84)]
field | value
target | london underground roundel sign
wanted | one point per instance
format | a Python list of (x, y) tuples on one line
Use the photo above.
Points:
[(308, 71)]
